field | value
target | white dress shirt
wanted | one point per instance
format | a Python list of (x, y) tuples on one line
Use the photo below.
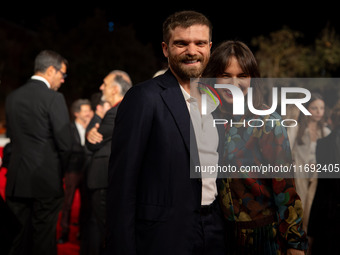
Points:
[(207, 142), (81, 131)]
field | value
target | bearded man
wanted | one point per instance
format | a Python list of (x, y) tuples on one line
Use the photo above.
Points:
[(154, 207)]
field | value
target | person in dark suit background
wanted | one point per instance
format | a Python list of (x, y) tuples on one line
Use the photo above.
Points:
[(114, 87), (154, 207), (78, 163), (99, 107), (324, 222), (39, 130)]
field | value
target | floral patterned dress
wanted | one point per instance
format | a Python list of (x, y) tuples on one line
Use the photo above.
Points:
[(263, 214)]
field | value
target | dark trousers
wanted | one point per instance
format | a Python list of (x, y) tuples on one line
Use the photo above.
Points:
[(210, 232), (38, 218), (72, 182), (93, 241), (9, 227)]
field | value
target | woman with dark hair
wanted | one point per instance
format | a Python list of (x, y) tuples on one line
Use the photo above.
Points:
[(303, 143), (263, 214)]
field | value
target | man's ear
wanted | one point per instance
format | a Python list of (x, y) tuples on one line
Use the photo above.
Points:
[(76, 114), (50, 71), (116, 89), (165, 49)]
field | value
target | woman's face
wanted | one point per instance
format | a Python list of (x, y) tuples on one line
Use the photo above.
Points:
[(233, 75), (317, 109)]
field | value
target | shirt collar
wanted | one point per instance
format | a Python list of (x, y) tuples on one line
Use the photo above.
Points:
[(79, 126), (185, 93), (211, 103), (40, 78)]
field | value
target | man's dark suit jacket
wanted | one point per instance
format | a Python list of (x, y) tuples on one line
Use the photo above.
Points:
[(324, 222), (95, 119), (153, 204), (39, 129), (97, 176)]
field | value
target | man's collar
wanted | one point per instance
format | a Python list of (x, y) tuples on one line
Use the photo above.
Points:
[(185, 93), (40, 78)]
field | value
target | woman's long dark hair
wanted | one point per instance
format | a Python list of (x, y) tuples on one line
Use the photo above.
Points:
[(303, 120), (220, 60)]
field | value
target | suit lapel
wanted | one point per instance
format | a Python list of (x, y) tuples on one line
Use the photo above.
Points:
[(75, 132), (174, 99)]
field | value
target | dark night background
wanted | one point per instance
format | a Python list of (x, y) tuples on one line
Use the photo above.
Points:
[(238, 19), (86, 34)]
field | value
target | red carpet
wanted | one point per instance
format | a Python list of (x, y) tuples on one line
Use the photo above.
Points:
[(71, 247)]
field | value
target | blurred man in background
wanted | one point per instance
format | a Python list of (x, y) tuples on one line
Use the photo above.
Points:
[(78, 163), (114, 87), (39, 130)]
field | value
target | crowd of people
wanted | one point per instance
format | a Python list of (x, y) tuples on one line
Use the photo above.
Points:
[(130, 151)]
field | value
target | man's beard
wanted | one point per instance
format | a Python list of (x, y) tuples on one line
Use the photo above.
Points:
[(186, 72)]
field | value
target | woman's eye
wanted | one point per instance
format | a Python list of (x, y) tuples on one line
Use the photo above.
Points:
[(243, 76)]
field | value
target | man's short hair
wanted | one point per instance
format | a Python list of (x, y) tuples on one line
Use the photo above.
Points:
[(184, 19), (124, 75), (76, 105), (47, 58), (124, 85)]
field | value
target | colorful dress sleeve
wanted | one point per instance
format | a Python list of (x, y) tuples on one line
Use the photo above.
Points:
[(275, 148)]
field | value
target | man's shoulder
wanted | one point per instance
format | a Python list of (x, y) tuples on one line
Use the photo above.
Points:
[(149, 93), (147, 86), (36, 87), (34, 93), (165, 80), (112, 110), (27, 90), (109, 116), (325, 141)]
